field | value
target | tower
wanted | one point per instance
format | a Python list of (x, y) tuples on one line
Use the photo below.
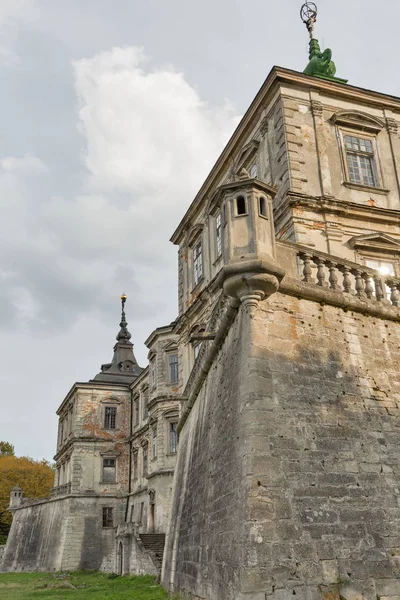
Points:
[(289, 262)]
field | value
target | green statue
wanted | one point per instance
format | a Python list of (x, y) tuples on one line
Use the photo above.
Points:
[(321, 63)]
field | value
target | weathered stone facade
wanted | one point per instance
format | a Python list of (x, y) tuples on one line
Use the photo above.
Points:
[(280, 373)]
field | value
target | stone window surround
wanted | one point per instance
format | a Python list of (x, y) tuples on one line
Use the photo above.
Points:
[(108, 517), (109, 454), (170, 416), (359, 124), (110, 403), (195, 238), (376, 246)]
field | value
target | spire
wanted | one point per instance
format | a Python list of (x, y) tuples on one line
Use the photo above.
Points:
[(123, 333), (123, 368), (321, 63)]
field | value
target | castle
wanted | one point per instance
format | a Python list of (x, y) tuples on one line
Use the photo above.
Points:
[(280, 375)]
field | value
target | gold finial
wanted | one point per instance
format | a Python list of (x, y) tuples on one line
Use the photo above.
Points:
[(123, 297)]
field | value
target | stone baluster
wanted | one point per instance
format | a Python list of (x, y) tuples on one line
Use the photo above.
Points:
[(395, 294), (307, 270), (379, 293), (320, 262), (369, 288), (333, 278), (346, 279), (360, 286)]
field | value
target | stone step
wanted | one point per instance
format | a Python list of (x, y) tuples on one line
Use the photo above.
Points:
[(155, 543)]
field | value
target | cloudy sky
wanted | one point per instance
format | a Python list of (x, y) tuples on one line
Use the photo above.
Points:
[(112, 115)]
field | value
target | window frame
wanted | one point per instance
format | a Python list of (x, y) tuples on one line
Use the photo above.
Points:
[(236, 213), (360, 134), (106, 517), (135, 465), (145, 460), (218, 230), (154, 442), (197, 262), (106, 408), (103, 466), (175, 432), (175, 364)]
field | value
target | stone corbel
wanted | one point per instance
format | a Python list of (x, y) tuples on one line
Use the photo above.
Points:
[(251, 281)]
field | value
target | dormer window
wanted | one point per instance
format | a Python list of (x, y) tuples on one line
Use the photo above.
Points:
[(197, 263), (360, 157)]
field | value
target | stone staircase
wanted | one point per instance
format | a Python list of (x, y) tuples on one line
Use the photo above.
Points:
[(155, 543)]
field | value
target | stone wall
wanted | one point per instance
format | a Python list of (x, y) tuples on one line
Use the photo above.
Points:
[(288, 476), (62, 534)]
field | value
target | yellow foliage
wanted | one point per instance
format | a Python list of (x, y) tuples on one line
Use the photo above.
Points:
[(36, 478)]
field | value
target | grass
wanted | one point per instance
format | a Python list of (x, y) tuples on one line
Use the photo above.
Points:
[(78, 586)]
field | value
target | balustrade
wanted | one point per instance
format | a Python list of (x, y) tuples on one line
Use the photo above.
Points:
[(61, 490), (349, 278)]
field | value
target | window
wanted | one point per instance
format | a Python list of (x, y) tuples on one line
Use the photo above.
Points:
[(155, 442), (137, 410), (253, 171), (218, 235), (384, 267), (109, 470), (145, 452), (141, 512), (262, 207), (173, 438), (173, 368), (145, 410), (241, 206), (153, 373), (108, 517), (135, 466), (132, 512), (361, 160), (110, 417), (196, 349), (197, 263)]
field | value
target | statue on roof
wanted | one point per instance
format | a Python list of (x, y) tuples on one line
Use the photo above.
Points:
[(321, 63)]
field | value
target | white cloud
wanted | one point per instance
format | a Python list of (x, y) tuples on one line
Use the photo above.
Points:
[(27, 165), (14, 15), (149, 141)]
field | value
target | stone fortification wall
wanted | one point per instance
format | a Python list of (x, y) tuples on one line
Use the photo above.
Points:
[(288, 476), (62, 534)]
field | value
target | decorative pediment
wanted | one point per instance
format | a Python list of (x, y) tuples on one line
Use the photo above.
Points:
[(111, 400), (171, 346), (246, 155), (110, 453), (358, 120), (375, 241), (194, 233), (171, 414)]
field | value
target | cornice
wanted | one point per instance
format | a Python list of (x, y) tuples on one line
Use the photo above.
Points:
[(277, 77), (341, 208)]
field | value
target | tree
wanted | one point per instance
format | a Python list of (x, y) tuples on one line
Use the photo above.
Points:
[(6, 449), (35, 477)]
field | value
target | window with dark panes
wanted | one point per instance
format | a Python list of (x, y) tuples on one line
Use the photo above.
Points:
[(173, 438), (135, 466), (110, 417), (197, 263), (154, 442), (109, 470), (218, 235), (153, 373), (173, 368), (137, 411), (145, 409), (361, 160), (145, 455), (108, 517)]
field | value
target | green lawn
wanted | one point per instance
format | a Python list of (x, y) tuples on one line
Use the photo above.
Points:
[(78, 586)]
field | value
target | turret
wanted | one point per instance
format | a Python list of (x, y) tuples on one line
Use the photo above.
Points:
[(15, 497)]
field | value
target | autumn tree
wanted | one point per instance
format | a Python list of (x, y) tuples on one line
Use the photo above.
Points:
[(6, 449), (35, 477)]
